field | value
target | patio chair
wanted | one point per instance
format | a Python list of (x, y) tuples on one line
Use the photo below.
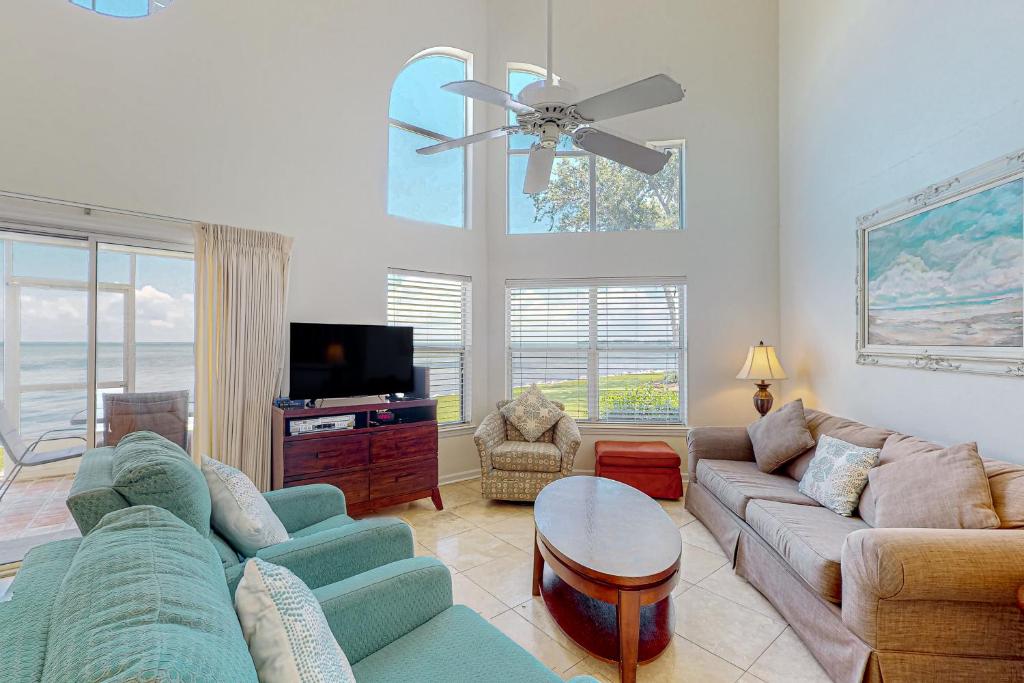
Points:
[(19, 456), (162, 412)]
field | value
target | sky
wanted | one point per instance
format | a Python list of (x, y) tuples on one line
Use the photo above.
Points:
[(163, 295), (967, 250)]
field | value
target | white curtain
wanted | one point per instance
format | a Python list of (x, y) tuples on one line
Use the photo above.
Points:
[(241, 295)]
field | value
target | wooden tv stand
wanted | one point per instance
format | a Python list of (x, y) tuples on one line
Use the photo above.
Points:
[(376, 463)]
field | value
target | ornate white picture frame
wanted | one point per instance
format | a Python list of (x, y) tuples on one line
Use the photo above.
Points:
[(929, 300)]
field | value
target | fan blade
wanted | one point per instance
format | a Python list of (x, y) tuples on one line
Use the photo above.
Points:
[(486, 93), (538, 169), (625, 152), (468, 140), (649, 93)]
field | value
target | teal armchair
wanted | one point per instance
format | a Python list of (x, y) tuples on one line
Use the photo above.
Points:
[(144, 597), (325, 544)]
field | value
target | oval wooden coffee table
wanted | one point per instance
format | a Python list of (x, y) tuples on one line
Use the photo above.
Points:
[(606, 558)]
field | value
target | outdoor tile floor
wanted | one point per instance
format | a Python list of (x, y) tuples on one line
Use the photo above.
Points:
[(725, 629), (33, 512)]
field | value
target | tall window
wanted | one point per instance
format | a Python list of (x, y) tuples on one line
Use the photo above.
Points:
[(431, 188), (611, 350), (588, 193), (438, 308)]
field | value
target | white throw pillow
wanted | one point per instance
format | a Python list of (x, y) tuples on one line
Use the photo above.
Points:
[(288, 635), (240, 513), (532, 413), (837, 474)]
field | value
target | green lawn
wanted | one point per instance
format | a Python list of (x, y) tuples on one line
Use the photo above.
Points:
[(651, 391)]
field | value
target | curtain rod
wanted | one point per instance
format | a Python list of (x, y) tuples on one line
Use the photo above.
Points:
[(88, 208)]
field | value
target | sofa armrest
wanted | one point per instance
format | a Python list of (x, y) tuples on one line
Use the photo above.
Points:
[(488, 435), (375, 608), (323, 558), (301, 506), (983, 567), (92, 494), (717, 443), (567, 438)]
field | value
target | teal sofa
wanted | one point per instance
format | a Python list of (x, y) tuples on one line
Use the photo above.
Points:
[(325, 544), (144, 597)]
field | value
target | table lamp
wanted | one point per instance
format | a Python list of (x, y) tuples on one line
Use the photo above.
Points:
[(762, 364)]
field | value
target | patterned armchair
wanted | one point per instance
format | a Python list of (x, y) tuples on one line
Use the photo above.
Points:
[(513, 468)]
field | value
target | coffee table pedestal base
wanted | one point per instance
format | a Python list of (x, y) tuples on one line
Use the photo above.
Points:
[(593, 624)]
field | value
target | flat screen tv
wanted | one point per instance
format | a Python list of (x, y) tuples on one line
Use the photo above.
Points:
[(334, 361)]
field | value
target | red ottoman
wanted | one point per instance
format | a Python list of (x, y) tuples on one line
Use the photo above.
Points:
[(651, 466)]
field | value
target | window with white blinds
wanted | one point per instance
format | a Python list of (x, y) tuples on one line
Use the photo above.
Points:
[(611, 350), (437, 307)]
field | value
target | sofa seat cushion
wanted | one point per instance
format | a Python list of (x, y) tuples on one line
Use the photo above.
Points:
[(333, 522), (809, 539), (735, 483), (457, 645), (526, 456), (145, 599)]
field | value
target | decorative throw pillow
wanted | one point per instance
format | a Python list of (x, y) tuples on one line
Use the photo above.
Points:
[(944, 489), (240, 513), (532, 413), (837, 474), (779, 437), (288, 635)]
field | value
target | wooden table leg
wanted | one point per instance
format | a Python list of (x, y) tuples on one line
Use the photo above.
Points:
[(538, 565), (435, 498), (629, 634)]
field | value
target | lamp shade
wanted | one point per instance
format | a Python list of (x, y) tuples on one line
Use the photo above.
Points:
[(762, 364)]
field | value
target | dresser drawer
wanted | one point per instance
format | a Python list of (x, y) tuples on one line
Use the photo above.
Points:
[(406, 477), (303, 458), (355, 485), (404, 444)]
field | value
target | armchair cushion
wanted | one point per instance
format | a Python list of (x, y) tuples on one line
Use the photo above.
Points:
[(299, 507), (532, 413), (524, 456), (377, 607), (335, 554)]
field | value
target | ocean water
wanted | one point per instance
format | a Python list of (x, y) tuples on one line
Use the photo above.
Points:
[(158, 367), (993, 322)]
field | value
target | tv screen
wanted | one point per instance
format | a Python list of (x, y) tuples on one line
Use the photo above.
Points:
[(333, 361)]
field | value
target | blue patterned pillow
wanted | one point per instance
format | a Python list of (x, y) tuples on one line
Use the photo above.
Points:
[(838, 474), (288, 635), (240, 512)]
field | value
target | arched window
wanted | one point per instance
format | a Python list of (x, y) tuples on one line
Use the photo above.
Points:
[(589, 193), (129, 9), (432, 188)]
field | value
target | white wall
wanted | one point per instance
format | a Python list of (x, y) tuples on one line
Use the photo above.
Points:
[(877, 100), (272, 115), (725, 55)]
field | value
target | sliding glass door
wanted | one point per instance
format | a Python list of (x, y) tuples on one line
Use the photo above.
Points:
[(97, 341)]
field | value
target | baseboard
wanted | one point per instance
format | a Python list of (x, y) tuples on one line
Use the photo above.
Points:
[(456, 477), (465, 475)]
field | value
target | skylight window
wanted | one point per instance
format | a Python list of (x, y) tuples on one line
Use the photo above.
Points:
[(125, 9)]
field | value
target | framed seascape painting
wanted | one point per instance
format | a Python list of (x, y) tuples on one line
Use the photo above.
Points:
[(940, 282)]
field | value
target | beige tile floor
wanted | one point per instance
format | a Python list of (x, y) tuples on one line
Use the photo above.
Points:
[(725, 630)]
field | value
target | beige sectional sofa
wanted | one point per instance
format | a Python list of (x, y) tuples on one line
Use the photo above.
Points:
[(872, 604)]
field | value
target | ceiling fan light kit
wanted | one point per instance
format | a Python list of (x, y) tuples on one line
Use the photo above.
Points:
[(546, 111)]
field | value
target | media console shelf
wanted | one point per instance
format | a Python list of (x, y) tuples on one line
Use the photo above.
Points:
[(377, 463)]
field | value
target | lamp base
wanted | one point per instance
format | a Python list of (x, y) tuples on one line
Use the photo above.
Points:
[(763, 398)]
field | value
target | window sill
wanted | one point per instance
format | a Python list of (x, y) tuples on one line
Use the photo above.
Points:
[(614, 429), (455, 430)]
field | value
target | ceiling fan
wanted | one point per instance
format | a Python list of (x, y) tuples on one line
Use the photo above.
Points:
[(543, 110)]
